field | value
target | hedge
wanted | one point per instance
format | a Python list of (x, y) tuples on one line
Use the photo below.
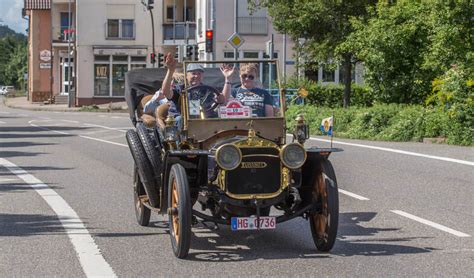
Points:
[(388, 122)]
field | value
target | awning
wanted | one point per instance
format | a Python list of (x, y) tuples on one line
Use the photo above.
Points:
[(37, 4)]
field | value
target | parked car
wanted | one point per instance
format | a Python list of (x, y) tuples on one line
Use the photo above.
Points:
[(5, 90), (232, 164)]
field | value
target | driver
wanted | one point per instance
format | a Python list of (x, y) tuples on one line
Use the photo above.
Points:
[(194, 75)]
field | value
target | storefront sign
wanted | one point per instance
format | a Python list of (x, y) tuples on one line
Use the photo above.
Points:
[(101, 71), (45, 65), (45, 55)]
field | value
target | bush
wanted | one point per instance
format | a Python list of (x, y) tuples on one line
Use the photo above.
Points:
[(392, 122), (331, 95)]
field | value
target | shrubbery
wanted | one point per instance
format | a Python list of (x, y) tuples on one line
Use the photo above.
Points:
[(393, 122), (332, 95)]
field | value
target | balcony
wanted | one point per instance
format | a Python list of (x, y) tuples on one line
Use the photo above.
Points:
[(179, 32), (252, 25)]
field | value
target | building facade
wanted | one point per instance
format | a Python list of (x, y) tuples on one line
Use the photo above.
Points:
[(39, 49), (93, 43)]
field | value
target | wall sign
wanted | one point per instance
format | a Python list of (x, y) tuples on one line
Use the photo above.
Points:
[(45, 55)]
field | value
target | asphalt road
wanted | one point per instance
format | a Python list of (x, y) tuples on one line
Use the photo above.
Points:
[(78, 165)]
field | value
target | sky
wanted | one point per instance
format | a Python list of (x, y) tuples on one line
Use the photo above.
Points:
[(10, 14)]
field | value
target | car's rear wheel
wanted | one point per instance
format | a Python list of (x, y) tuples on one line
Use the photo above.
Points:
[(324, 223), (142, 213), (180, 213)]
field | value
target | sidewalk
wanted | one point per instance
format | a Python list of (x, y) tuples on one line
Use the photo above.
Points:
[(22, 103)]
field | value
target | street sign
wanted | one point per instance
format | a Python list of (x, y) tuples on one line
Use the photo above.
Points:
[(235, 40)]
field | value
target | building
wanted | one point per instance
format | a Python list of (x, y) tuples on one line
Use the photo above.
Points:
[(39, 49), (84, 48)]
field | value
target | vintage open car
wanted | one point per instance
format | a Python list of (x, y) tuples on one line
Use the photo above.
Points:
[(226, 165)]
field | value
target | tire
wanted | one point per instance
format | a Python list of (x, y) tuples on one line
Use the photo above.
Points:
[(151, 152), (142, 213), (265, 211), (144, 167), (180, 214), (324, 223)]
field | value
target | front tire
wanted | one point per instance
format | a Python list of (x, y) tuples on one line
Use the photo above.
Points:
[(180, 213), (324, 223), (142, 213)]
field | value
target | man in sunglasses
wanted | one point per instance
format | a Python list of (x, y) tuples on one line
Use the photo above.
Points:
[(259, 100)]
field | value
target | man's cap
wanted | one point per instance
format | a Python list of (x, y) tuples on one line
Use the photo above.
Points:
[(194, 67)]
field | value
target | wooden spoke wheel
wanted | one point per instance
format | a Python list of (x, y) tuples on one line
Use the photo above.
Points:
[(142, 213), (324, 223), (179, 211)]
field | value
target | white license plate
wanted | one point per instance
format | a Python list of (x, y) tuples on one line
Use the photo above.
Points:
[(250, 223)]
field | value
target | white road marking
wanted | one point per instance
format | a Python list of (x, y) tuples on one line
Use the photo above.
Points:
[(353, 195), (4, 180), (82, 136), (465, 162), (430, 223), (92, 262), (104, 127), (105, 141), (1, 122), (69, 121), (45, 128), (4, 112)]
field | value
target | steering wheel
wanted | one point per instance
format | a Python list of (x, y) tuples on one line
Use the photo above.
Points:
[(206, 96)]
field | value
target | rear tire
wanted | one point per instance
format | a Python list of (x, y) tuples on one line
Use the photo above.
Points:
[(144, 167), (151, 151), (142, 213), (180, 213), (324, 223)]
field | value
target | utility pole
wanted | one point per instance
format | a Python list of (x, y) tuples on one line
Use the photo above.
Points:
[(213, 26), (69, 97), (149, 4), (236, 13)]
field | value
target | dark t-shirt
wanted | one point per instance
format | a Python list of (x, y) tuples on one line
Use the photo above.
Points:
[(198, 94), (255, 98)]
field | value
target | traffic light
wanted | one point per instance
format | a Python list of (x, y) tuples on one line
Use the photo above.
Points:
[(209, 40), (152, 58), (189, 51), (161, 60)]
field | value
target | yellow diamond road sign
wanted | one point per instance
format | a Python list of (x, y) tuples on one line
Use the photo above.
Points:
[(235, 40)]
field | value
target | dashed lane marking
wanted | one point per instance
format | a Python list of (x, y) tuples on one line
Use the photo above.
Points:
[(87, 251), (465, 162), (101, 140), (353, 195), (430, 223)]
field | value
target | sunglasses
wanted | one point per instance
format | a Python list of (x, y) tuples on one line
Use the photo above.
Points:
[(247, 76)]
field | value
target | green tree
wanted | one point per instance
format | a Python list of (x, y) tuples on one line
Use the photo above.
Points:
[(13, 60), (406, 44), (324, 26)]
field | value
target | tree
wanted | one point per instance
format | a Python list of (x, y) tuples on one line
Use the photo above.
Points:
[(405, 45), (13, 60), (324, 26)]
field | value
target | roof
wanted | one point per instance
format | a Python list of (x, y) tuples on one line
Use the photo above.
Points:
[(37, 4)]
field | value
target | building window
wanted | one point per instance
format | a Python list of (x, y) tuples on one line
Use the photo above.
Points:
[(251, 25), (251, 55), (120, 29), (329, 75), (170, 13), (109, 73), (101, 79), (64, 25)]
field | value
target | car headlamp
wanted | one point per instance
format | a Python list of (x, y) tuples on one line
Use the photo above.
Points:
[(228, 157), (293, 155)]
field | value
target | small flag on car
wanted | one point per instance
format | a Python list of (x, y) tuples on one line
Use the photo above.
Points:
[(326, 125)]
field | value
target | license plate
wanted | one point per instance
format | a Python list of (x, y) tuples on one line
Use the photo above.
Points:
[(251, 223)]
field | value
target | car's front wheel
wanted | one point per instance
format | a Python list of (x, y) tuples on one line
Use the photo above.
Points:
[(324, 223), (180, 213)]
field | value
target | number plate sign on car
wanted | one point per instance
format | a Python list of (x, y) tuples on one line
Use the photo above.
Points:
[(250, 223)]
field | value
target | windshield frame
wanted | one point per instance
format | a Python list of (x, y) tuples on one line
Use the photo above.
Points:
[(184, 97)]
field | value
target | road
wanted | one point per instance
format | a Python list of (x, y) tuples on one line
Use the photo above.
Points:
[(401, 214)]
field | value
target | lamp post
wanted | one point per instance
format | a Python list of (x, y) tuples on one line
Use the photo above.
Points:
[(69, 95)]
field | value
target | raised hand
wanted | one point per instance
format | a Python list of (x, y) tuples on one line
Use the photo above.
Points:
[(227, 70), (170, 62)]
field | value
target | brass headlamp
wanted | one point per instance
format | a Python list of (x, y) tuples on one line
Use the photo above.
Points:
[(301, 133)]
